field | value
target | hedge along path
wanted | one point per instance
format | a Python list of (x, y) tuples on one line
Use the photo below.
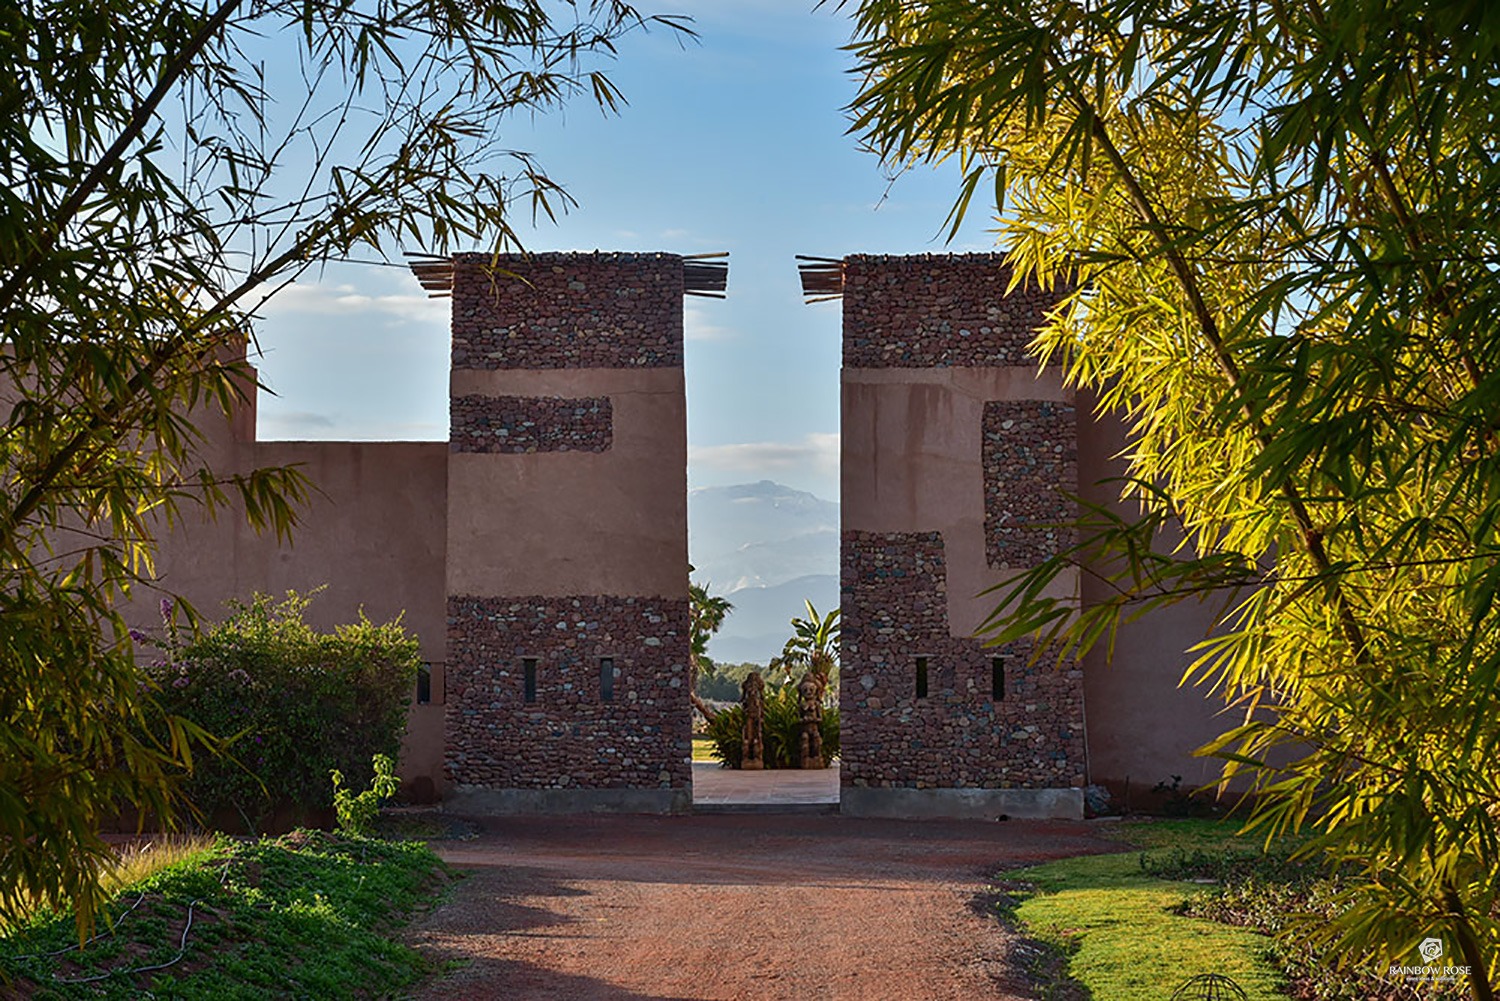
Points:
[(712, 907)]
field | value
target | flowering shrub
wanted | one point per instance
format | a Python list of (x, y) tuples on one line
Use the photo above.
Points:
[(293, 703)]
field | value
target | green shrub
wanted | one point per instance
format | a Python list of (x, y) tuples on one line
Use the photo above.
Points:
[(718, 687), (726, 731), (295, 703), (780, 728)]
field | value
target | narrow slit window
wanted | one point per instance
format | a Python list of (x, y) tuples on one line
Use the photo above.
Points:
[(528, 672), (606, 679), (424, 685), (997, 679), (921, 677)]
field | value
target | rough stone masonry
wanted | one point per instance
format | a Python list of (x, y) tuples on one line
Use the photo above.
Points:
[(960, 453), (567, 661)]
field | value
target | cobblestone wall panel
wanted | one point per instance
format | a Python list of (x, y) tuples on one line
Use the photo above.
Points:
[(938, 311), (561, 310), (519, 424), (894, 601), (569, 738), (1030, 463)]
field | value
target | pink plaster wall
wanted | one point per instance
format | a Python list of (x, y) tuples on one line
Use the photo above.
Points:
[(563, 523), (373, 534), (1142, 724)]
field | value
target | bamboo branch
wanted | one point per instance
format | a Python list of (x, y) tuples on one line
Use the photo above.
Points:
[(1312, 539), (136, 124)]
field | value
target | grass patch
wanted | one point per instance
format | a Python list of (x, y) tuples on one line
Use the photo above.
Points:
[(1279, 895), (141, 860), (703, 750), (305, 915), (1199, 899), (1120, 929), (133, 863)]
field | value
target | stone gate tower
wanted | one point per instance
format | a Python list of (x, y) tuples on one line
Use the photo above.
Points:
[(955, 448), (567, 608)]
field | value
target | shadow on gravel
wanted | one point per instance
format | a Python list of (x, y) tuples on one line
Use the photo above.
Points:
[(1044, 966), (512, 980)]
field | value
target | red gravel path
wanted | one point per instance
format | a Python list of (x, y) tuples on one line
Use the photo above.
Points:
[(733, 907)]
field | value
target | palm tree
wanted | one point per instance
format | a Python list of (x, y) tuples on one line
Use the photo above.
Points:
[(814, 645), (706, 615)]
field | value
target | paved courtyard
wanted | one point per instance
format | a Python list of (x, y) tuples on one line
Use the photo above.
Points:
[(716, 787)]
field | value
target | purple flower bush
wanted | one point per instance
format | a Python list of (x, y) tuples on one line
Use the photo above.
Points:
[(295, 703)]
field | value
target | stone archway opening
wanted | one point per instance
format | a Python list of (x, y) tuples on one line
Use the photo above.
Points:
[(566, 549)]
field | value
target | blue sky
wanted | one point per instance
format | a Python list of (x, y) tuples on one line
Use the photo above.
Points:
[(734, 142)]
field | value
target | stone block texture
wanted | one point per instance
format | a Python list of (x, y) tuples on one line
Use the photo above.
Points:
[(549, 311), (522, 424), (938, 311), (894, 600), (569, 737), (1030, 465)]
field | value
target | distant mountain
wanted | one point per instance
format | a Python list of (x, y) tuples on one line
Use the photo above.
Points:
[(766, 547), (761, 621), (760, 535)]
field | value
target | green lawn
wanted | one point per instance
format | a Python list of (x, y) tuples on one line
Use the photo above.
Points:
[(1116, 924), (703, 749), (309, 915)]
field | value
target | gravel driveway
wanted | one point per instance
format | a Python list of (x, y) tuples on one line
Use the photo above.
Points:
[(734, 906)]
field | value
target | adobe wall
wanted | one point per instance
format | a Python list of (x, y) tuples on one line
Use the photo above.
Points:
[(953, 445), (372, 534), (1142, 724), (566, 557)]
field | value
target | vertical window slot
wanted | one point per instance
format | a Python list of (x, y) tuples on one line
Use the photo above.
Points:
[(528, 671), (997, 679), (606, 679), (424, 685), (921, 677)]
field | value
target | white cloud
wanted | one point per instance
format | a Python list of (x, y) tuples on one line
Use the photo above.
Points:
[(347, 301), (815, 454), (697, 326), (302, 425), (293, 425), (682, 237)]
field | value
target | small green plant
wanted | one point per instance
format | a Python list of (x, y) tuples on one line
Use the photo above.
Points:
[(725, 733), (356, 812), (1179, 802)]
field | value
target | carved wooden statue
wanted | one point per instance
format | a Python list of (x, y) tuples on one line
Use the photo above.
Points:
[(810, 715), (752, 737)]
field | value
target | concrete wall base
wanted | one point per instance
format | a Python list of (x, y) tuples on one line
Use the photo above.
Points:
[(961, 804), (482, 801)]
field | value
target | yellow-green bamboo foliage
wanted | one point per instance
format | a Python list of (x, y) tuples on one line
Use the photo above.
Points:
[(1278, 225)]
